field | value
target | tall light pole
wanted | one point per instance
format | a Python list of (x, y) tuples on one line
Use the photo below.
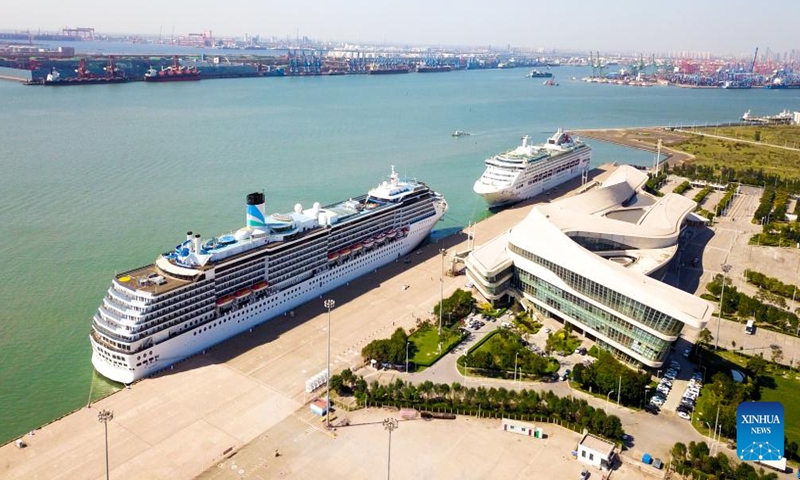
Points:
[(443, 252), (725, 269), (608, 402), (329, 304), (105, 416), (619, 390), (389, 424), (407, 344), (516, 385)]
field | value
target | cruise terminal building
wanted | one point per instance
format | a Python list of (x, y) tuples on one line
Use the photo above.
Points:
[(596, 260)]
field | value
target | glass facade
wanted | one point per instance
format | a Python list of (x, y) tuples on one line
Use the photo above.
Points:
[(595, 244), (650, 317), (605, 323)]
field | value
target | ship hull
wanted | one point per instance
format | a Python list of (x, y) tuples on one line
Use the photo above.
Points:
[(190, 342), (172, 78), (86, 81)]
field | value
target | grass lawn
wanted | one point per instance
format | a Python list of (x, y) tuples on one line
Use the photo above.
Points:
[(426, 343), (717, 152), (561, 341), (785, 391)]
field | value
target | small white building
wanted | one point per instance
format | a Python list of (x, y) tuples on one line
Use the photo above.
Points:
[(596, 452), (519, 427)]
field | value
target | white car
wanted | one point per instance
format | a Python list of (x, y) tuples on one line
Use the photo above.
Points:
[(684, 415)]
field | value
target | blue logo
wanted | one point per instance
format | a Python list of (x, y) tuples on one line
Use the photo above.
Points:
[(759, 431)]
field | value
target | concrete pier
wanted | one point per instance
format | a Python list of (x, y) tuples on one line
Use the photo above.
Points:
[(187, 419)]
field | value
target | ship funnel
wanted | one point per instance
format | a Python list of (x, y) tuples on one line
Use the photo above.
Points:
[(525, 140), (188, 235), (196, 244), (255, 211)]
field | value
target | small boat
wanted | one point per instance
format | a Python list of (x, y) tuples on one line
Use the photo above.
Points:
[(332, 257), (243, 293), (260, 286), (369, 243), (550, 83), (460, 133), (356, 248), (224, 301)]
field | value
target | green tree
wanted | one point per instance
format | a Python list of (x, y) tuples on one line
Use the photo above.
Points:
[(679, 452), (757, 365), (705, 337)]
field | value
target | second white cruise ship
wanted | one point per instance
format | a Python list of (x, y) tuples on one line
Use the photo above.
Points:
[(205, 291), (529, 170)]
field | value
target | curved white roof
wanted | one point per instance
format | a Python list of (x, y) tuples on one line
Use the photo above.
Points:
[(654, 235)]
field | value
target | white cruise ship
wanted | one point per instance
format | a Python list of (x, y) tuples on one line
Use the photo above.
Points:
[(529, 170), (207, 290)]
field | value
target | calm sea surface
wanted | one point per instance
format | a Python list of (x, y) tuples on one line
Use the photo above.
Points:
[(100, 179)]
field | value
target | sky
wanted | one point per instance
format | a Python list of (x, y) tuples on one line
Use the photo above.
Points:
[(642, 26)]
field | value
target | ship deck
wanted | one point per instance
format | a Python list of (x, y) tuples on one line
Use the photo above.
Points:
[(142, 279)]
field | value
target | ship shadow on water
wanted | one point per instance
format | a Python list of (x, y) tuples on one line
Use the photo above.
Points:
[(277, 326)]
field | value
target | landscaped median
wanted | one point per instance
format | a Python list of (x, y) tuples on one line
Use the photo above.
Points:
[(426, 345), (499, 352)]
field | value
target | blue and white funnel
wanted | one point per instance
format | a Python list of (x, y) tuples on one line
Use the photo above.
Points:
[(255, 210)]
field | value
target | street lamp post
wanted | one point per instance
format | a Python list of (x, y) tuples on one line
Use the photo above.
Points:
[(441, 294), (329, 304), (608, 401), (389, 424), (725, 269), (105, 416), (516, 385), (407, 344)]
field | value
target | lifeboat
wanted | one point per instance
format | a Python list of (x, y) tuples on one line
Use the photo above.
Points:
[(380, 238), (243, 293), (224, 301), (392, 234), (260, 286), (356, 248), (369, 243), (345, 252), (332, 257)]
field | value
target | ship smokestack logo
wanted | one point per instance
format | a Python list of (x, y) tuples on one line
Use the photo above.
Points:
[(255, 210)]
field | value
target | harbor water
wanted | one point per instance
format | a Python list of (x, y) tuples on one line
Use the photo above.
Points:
[(99, 179)]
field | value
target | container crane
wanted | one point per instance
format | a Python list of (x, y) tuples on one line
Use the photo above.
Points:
[(753, 65)]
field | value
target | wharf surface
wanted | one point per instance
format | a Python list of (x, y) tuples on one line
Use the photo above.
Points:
[(180, 422)]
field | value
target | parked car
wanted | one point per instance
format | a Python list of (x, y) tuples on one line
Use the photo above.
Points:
[(584, 475), (652, 409), (684, 415)]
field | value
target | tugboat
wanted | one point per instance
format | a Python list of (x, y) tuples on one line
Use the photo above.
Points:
[(54, 79), (460, 133), (173, 73)]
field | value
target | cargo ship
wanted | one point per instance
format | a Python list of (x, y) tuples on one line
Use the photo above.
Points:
[(529, 170), (538, 74), (174, 73), (388, 69), (202, 292), (84, 77), (433, 68)]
